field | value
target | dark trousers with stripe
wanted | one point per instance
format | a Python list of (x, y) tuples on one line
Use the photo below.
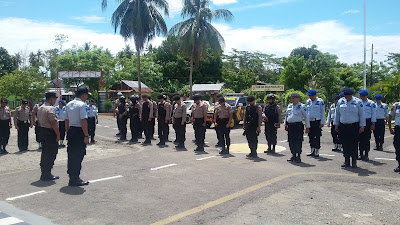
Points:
[(295, 137), (379, 132), (335, 135), (315, 134), (23, 130), (163, 129)]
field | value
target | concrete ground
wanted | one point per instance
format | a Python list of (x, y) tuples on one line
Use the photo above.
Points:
[(135, 184)]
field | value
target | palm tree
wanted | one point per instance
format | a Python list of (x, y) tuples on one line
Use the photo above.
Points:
[(140, 20), (197, 33)]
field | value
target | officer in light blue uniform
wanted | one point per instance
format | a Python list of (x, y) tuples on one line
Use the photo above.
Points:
[(395, 112), (316, 114), (61, 114), (370, 117), (329, 122), (295, 113), (92, 120), (349, 122), (381, 116)]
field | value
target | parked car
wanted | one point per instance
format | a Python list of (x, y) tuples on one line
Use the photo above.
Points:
[(238, 103)]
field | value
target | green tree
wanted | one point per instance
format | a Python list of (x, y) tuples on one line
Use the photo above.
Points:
[(349, 79), (197, 33), (7, 64), (238, 81), (307, 53), (295, 74), (140, 20)]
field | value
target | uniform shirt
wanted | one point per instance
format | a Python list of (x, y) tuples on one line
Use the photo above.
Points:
[(46, 114), (381, 111), (60, 112), (396, 113), (348, 112), (180, 111), (91, 111), (35, 110), (259, 112), (155, 108), (370, 110), (331, 114), (151, 113), (296, 113), (168, 110), (223, 112), (21, 114), (316, 109), (277, 110), (75, 112), (199, 110), (5, 113)]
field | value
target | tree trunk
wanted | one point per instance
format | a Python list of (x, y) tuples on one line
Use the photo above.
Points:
[(138, 74), (191, 73)]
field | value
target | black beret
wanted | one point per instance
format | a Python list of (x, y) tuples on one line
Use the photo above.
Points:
[(24, 101), (82, 90), (222, 99), (176, 98), (160, 96), (270, 96), (196, 97), (337, 98), (91, 100), (145, 96), (251, 98), (51, 95), (295, 95), (4, 100), (348, 91)]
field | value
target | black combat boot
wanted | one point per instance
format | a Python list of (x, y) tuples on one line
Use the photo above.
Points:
[(346, 162), (76, 181), (298, 159), (47, 176), (354, 163), (293, 158), (312, 152)]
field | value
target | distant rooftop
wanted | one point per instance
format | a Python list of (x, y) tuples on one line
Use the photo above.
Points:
[(208, 87)]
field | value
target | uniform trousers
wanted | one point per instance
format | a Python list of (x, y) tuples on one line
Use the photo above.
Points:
[(224, 133), (48, 139), (271, 133), (365, 139), (123, 129), (349, 136), (76, 151), (379, 132), (180, 131), (396, 142), (163, 129), (92, 126), (295, 137), (4, 132), (315, 134), (147, 129), (199, 131), (134, 124), (335, 135), (23, 130), (252, 138), (61, 129), (37, 131)]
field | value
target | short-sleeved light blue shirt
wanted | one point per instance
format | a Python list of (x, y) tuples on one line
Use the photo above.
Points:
[(61, 113), (91, 111), (296, 113), (348, 112), (75, 112), (316, 109), (370, 110), (397, 113), (381, 111)]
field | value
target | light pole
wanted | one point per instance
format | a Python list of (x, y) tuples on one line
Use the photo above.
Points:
[(365, 44)]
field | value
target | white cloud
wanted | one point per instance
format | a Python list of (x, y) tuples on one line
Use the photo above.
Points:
[(261, 5), (352, 11), (90, 19), (329, 36), (175, 7), (224, 2), (19, 34)]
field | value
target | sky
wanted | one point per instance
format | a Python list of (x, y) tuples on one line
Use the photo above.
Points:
[(267, 26)]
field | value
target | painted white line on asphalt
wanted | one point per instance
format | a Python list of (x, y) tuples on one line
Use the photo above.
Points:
[(206, 158), (282, 141), (24, 196), (366, 215), (305, 136), (10, 220), (115, 128), (99, 125), (106, 127), (162, 167), (347, 215), (107, 178), (386, 159), (327, 155)]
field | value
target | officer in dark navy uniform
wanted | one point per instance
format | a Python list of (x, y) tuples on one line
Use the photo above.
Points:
[(146, 116), (134, 111), (164, 109), (273, 119), (123, 118), (252, 125)]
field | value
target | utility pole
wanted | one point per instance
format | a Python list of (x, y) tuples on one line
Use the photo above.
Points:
[(365, 44), (372, 62)]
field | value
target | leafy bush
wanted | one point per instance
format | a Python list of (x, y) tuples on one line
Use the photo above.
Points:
[(286, 96), (107, 105), (225, 91)]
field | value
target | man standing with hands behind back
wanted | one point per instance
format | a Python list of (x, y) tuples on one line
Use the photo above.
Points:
[(77, 135)]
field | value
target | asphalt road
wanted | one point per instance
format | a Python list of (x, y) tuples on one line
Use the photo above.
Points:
[(135, 184)]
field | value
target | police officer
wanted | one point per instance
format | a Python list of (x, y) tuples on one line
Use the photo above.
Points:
[(370, 116), (92, 120), (179, 121), (123, 117), (216, 107), (134, 111), (153, 120), (381, 115), (60, 113), (22, 121), (295, 113), (49, 136), (77, 135), (222, 121), (5, 125), (163, 118), (146, 117), (350, 123), (329, 122), (316, 114), (273, 119), (36, 123), (252, 125), (395, 112), (117, 103), (199, 116)]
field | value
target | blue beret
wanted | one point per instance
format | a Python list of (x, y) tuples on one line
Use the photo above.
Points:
[(363, 92), (341, 94), (312, 92), (62, 102), (378, 97), (44, 99), (348, 91)]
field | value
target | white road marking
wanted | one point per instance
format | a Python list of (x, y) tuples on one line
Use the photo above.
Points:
[(107, 178), (206, 158), (347, 215), (23, 196), (106, 127), (162, 167), (385, 159), (305, 136), (283, 141), (366, 215), (115, 128), (327, 155), (10, 220), (99, 125)]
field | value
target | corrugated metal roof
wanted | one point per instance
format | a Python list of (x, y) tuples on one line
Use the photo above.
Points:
[(133, 84), (208, 87)]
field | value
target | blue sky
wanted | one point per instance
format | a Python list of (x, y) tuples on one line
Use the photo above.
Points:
[(296, 20)]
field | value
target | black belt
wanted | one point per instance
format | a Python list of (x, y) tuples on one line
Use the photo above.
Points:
[(76, 128), (91, 117), (23, 121), (294, 123), (349, 124)]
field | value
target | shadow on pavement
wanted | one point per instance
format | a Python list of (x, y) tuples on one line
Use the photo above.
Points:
[(275, 154), (361, 171), (72, 190), (40, 183), (227, 156), (323, 159), (258, 159), (375, 163), (302, 164), (201, 153), (181, 149)]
